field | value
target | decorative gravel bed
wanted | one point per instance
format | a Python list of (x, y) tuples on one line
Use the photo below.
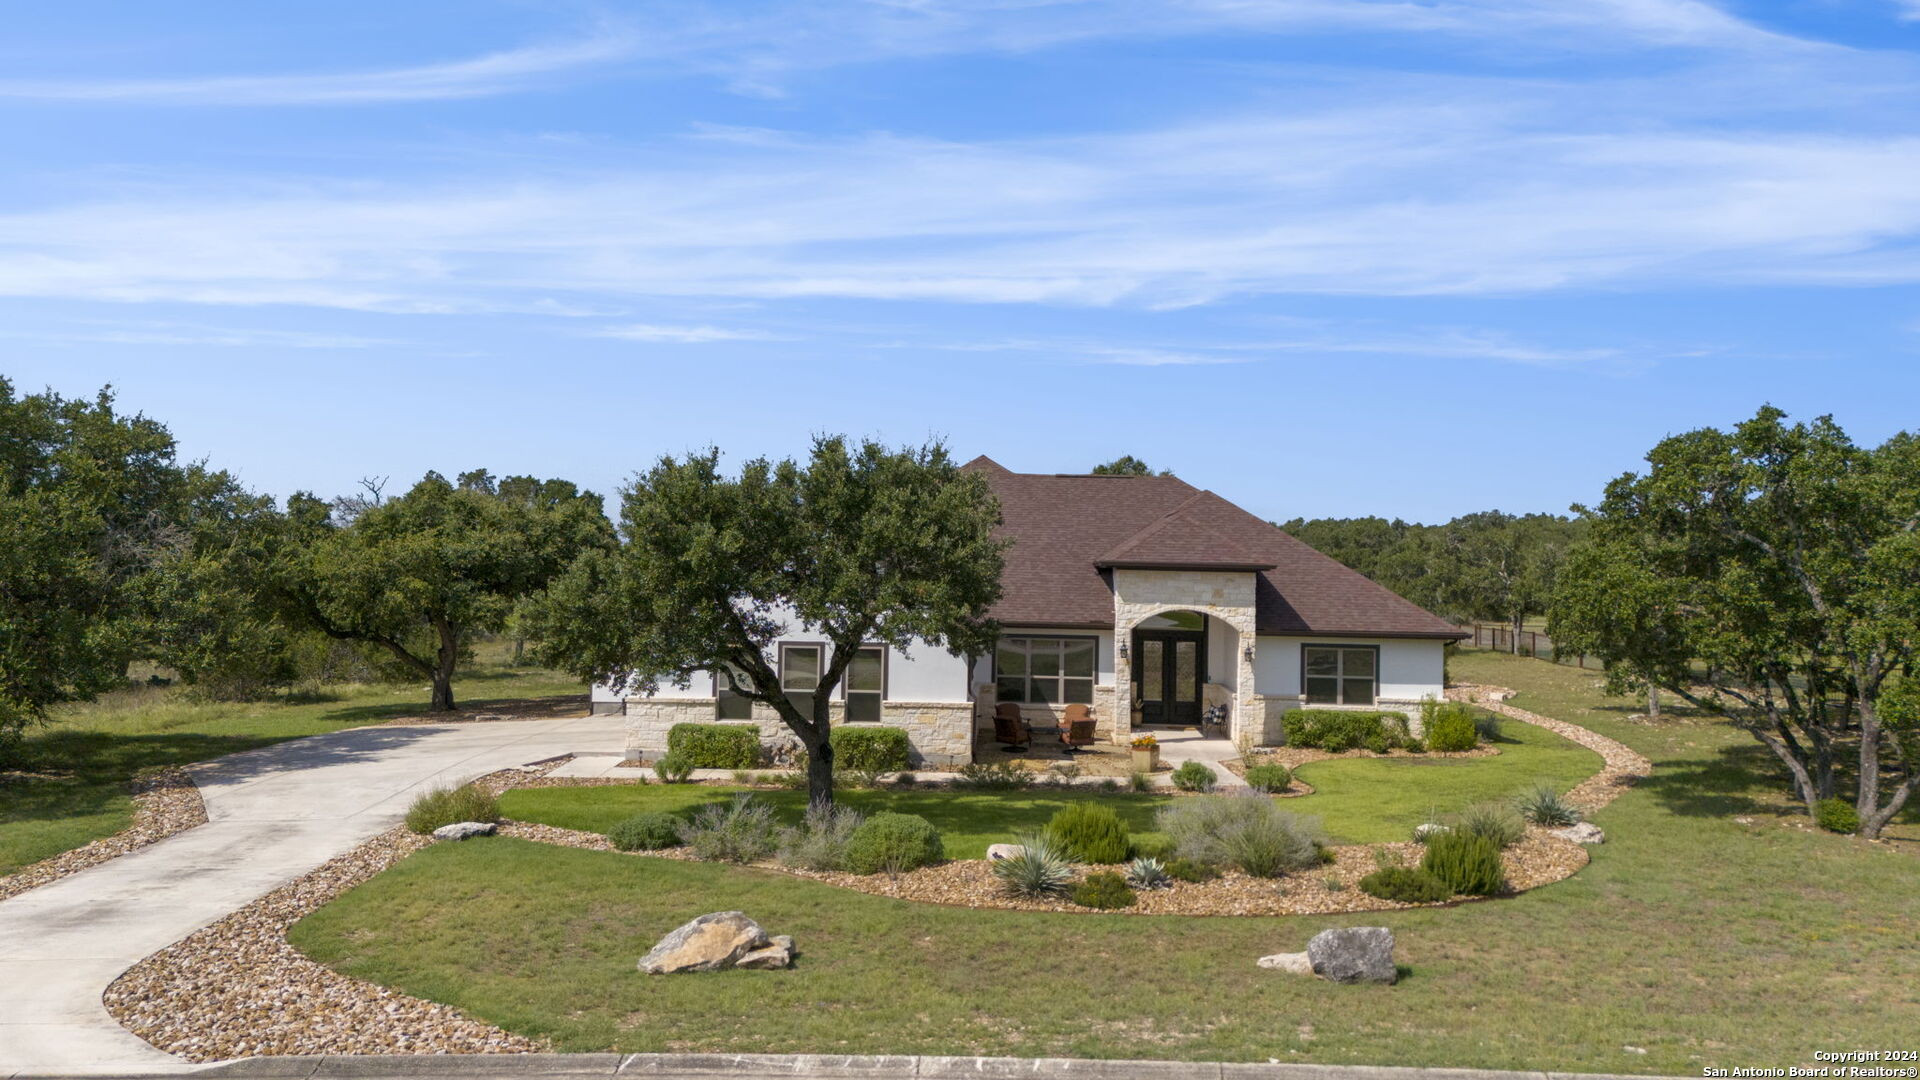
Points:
[(1295, 756), (165, 802), (1623, 766)]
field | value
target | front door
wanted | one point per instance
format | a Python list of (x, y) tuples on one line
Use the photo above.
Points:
[(1167, 670)]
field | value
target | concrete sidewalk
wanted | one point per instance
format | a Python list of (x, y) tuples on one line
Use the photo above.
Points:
[(273, 814), (814, 1066)]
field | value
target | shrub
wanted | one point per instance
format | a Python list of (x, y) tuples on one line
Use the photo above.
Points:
[(1487, 725), (715, 746), (1337, 730), (1492, 820), (1064, 773), (449, 806), (1193, 776), (821, 840), (1109, 785), (1833, 815), (1147, 872), (893, 843), (1450, 730), (673, 769), (1105, 890), (1140, 781), (1269, 778), (994, 776), (869, 747), (1090, 832), (905, 779), (1192, 871), (1545, 806), (1041, 870), (1466, 864), (1405, 885), (646, 832), (1247, 831), (740, 830)]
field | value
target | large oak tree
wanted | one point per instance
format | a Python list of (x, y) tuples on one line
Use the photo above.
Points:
[(857, 546)]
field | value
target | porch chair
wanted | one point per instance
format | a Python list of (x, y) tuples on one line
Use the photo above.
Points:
[(1010, 729), (1076, 728)]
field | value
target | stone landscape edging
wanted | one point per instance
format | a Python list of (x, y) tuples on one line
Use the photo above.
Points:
[(1622, 766), (166, 802)]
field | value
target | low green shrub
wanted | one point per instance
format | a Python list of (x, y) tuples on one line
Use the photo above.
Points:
[(1105, 890), (1466, 864), (1544, 805), (1269, 778), (821, 841), (740, 830), (1487, 725), (1192, 871), (673, 768), (450, 806), (1193, 776), (993, 776), (1338, 730), (1041, 870), (1140, 781), (1090, 832), (646, 832), (715, 746), (1405, 885), (893, 843), (1495, 821), (869, 748), (1836, 815), (1248, 831), (1450, 729)]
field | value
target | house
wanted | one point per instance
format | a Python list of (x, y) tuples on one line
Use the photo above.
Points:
[(1150, 600)]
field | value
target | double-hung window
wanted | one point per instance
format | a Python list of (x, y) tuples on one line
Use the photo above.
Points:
[(727, 704), (866, 684), (1341, 674), (800, 667), (1045, 670)]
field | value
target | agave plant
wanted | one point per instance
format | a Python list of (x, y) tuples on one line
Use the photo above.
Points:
[(1146, 872), (1042, 869), (1545, 806)]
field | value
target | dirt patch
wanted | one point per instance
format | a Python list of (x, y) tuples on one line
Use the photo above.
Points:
[(165, 802)]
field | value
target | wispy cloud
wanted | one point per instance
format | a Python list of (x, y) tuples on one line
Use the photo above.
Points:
[(188, 334), (682, 335), (479, 76)]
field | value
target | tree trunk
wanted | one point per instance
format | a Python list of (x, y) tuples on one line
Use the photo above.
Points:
[(1519, 623), (1653, 702), (448, 657), (820, 776)]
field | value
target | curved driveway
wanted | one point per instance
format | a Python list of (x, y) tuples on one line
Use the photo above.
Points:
[(273, 814)]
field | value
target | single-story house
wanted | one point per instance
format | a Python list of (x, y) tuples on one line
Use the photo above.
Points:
[(1151, 601)]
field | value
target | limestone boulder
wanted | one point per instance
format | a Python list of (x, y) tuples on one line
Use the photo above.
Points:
[(712, 942), (777, 954), (1586, 832), (1354, 954), (461, 830), (1293, 963), (997, 852)]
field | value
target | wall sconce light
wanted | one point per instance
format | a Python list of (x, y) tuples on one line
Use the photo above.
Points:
[(1248, 652), (1123, 650)]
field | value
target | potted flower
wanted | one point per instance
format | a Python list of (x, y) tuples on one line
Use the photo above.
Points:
[(1146, 753)]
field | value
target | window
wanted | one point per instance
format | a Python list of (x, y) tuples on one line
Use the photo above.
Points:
[(1340, 675), (1045, 671), (866, 684), (800, 675), (727, 704)]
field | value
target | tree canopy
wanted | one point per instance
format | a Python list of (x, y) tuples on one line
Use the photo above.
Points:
[(1128, 465), (856, 546), (1769, 574)]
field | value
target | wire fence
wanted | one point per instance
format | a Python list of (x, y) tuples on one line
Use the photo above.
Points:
[(1503, 638)]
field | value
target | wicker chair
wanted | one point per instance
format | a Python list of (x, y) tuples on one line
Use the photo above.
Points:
[(1010, 729)]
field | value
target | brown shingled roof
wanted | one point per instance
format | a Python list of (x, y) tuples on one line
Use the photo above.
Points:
[(1068, 529)]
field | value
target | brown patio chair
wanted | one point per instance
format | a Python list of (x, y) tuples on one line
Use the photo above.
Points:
[(1076, 728), (1010, 729)]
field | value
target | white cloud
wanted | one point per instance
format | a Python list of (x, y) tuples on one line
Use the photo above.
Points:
[(492, 73), (683, 335), (188, 334)]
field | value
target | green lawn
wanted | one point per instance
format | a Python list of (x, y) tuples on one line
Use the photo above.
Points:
[(1704, 941), (71, 787)]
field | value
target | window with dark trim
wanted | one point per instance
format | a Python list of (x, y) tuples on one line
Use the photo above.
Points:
[(1045, 670), (866, 684), (728, 705), (1340, 674), (800, 667)]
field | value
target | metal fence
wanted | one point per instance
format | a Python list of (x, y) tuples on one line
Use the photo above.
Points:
[(1501, 638)]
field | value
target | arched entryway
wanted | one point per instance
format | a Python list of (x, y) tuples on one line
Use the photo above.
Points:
[(1169, 664)]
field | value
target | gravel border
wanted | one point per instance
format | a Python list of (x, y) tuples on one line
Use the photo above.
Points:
[(165, 802), (1622, 766)]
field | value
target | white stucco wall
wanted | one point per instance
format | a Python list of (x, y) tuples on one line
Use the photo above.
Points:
[(1410, 669)]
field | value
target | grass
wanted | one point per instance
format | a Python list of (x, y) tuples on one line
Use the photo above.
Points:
[(71, 786), (1703, 941)]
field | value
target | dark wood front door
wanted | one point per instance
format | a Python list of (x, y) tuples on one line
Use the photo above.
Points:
[(1168, 667)]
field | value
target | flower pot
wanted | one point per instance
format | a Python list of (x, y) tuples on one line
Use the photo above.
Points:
[(1146, 760)]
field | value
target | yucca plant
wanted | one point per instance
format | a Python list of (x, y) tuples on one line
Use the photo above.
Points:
[(1545, 806), (1147, 872), (1041, 871)]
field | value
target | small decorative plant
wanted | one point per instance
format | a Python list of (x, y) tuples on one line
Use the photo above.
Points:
[(1105, 890), (1466, 863), (1147, 872), (1193, 776), (1145, 742), (1545, 806), (1090, 832), (1836, 815), (1405, 885), (650, 831), (1269, 778), (1041, 870)]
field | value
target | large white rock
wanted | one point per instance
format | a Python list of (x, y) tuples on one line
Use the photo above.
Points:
[(997, 852), (1586, 832), (1293, 963), (1354, 954), (712, 942), (461, 830)]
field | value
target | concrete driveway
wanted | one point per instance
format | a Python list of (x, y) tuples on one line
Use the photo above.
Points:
[(273, 814)]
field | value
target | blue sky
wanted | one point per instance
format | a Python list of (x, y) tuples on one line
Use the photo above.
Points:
[(1326, 257)]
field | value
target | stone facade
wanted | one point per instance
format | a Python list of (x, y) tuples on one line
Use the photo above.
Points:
[(939, 733), (1139, 595)]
